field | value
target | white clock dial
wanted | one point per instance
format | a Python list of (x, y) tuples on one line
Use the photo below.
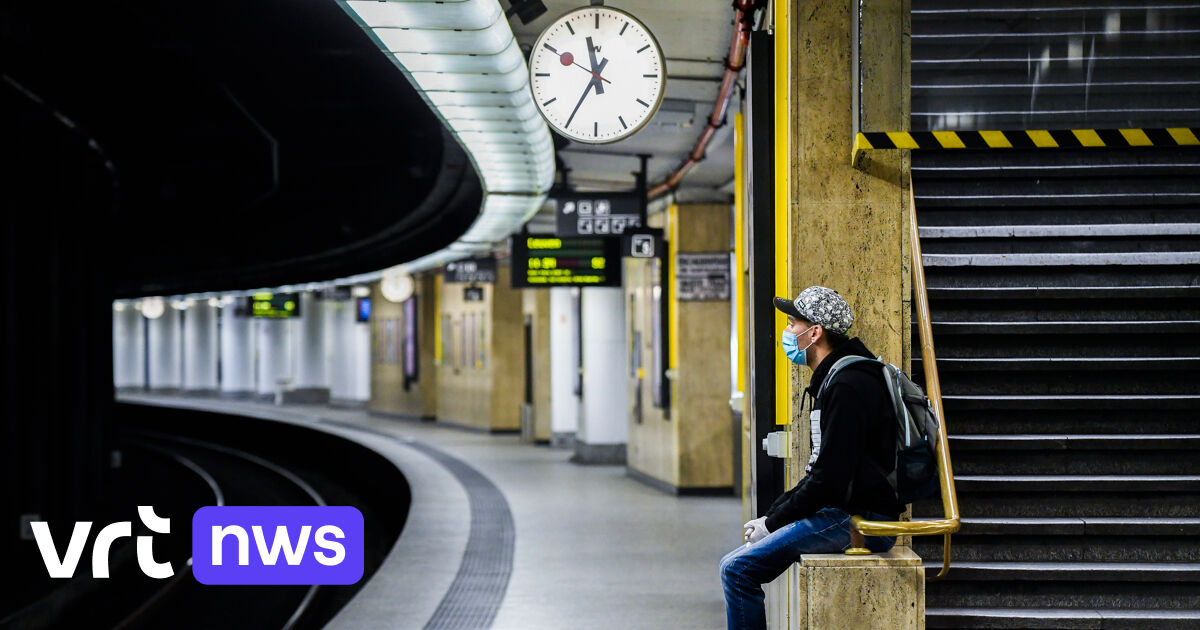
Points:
[(597, 75)]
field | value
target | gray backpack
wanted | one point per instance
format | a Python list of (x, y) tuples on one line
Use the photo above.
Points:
[(915, 475)]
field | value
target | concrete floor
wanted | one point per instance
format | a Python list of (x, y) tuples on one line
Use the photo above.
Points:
[(594, 548)]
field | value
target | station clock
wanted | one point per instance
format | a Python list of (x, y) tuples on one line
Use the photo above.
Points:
[(597, 75)]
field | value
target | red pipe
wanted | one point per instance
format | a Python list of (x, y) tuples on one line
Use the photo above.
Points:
[(733, 65)]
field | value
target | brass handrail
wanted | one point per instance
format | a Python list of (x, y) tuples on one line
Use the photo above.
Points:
[(933, 388)]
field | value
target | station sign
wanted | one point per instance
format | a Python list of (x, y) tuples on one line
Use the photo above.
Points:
[(543, 261), (702, 277), (643, 243), (472, 270), (274, 305), (335, 294), (598, 214)]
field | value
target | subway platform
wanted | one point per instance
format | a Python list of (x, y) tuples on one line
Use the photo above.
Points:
[(592, 547)]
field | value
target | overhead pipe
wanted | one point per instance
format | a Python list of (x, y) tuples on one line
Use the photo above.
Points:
[(734, 62)]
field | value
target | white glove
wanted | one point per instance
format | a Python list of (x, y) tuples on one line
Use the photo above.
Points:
[(756, 529)]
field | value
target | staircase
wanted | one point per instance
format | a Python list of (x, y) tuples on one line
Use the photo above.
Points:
[(1065, 296)]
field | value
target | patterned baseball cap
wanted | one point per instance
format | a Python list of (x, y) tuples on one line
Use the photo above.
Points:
[(819, 305)]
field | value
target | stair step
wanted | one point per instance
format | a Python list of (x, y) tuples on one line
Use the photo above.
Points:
[(1001, 88), (1044, 170), (1102, 401), (1122, 442), (985, 217), (933, 30), (1074, 571), (1114, 419), (1063, 276), (1061, 618), (1053, 249), (1078, 483), (1048, 500), (1000, 459), (1061, 260), (1052, 293), (932, 167), (1067, 363), (1089, 525), (1065, 199), (1140, 526), (1064, 328), (1022, 526), (1050, 382), (1057, 231)]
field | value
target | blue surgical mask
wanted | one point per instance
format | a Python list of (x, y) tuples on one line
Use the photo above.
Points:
[(792, 348)]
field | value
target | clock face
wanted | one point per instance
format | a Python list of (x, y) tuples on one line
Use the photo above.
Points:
[(597, 75)]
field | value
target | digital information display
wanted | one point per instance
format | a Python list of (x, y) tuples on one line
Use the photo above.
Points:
[(540, 261), (275, 305), (599, 214)]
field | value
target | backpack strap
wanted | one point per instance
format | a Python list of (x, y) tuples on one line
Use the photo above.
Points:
[(896, 394), (837, 366)]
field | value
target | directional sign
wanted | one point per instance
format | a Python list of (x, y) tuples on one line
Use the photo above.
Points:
[(472, 270), (599, 214), (643, 243)]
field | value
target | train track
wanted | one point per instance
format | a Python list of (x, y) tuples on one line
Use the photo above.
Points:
[(236, 477)]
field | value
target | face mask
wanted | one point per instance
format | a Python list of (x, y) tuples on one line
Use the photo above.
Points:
[(792, 348)]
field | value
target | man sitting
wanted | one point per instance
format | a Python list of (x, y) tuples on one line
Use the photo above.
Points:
[(853, 432)]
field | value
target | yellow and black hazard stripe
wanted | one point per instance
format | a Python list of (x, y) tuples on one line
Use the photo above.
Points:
[(1030, 139)]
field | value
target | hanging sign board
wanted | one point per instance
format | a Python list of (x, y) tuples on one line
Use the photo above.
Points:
[(274, 305), (598, 214), (543, 262), (702, 277), (476, 270), (643, 243), (335, 294)]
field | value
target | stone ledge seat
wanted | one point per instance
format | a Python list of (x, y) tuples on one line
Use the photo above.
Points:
[(834, 590)]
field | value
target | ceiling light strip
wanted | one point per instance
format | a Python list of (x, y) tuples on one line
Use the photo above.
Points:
[(463, 59)]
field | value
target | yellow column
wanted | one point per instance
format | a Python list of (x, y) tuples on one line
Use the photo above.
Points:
[(783, 199), (739, 296), (672, 250), (438, 350), (783, 213)]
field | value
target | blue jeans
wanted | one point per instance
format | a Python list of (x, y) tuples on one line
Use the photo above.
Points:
[(745, 569)]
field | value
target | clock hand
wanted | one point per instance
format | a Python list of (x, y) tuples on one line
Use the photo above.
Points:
[(586, 90), (594, 83), (567, 59), (592, 57), (596, 75)]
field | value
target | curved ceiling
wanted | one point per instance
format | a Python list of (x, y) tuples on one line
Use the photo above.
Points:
[(253, 143)]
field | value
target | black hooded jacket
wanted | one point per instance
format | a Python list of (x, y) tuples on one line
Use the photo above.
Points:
[(857, 424)]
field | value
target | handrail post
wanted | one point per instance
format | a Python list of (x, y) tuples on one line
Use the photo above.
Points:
[(860, 527), (858, 544)]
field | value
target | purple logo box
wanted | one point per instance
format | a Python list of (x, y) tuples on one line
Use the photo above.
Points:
[(247, 544)]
